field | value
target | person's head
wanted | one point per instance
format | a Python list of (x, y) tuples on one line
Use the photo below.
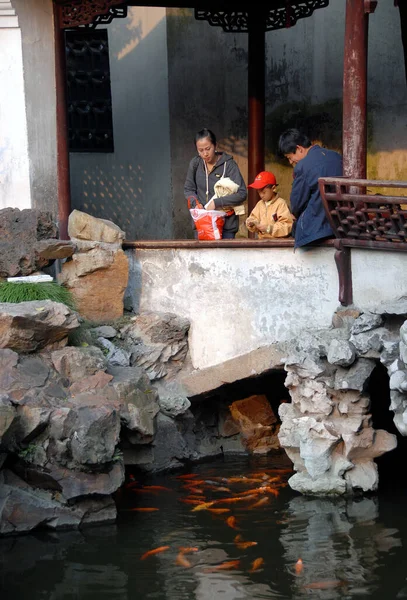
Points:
[(205, 142), (266, 185), (294, 145)]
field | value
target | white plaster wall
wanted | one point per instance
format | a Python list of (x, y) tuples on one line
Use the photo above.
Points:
[(14, 168), (378, 277), (132, 186), (237, 299), (37, 28)]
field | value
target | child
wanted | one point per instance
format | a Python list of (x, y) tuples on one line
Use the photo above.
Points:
[(270, 218)]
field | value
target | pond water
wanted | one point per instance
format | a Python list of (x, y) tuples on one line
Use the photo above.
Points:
[(348, 548)]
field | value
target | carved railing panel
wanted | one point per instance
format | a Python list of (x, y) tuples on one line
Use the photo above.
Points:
[(364, 218)]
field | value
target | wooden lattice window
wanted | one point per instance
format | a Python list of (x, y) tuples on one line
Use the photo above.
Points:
[(89, 95)]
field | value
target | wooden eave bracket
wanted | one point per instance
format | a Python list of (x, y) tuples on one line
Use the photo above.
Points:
[(370, 6)]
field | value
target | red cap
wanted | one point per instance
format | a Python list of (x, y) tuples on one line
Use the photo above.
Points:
[(264, 178)]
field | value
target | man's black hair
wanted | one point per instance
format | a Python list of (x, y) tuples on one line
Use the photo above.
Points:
[(290, 139)]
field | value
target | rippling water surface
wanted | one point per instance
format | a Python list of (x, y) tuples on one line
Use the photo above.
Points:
[(348, 548)]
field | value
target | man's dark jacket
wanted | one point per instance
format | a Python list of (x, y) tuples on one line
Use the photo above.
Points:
[(305, 200)]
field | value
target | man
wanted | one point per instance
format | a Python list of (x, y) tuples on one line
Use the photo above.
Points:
[(310, 162)]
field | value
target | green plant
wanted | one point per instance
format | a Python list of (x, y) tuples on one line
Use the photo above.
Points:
[(28, 453), (11, 292)]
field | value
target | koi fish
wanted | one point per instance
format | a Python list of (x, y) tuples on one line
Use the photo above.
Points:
[(232, 522), (147, 509), (260, 502), (182, 561), (203, 506), (324, 585), (195, 490), (244, 545), (189, 476), (186, 550), (238, 538), (219, 511), (157, 488), (256, 564), (234, 499), (195, 501), (230, 564), (299, 565), (155, 551)]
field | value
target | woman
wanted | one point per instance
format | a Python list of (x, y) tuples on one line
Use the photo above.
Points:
[(204, 171)]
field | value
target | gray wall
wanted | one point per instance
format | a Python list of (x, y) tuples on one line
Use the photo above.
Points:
[(132, 186), (37, 27)]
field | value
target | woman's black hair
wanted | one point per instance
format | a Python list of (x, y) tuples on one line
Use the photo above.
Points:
[(205, 133), (290, 139)]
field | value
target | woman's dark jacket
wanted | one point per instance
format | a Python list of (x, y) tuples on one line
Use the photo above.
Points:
[(195, 186), (305, 199)]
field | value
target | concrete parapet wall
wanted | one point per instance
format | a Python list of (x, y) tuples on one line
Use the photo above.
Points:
[(239, 299)]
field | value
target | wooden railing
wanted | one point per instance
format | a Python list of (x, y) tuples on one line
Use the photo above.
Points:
[(363, 219)]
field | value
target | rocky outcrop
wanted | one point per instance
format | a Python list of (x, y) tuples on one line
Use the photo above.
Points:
[(327, 428), (61, 418), (97, 275), (37, 245)]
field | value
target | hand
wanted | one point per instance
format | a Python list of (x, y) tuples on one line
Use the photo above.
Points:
[(250, 222), (210, 205), (261, 228)]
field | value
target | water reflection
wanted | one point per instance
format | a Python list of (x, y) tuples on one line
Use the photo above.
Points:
[(339, 542), (350, 548)]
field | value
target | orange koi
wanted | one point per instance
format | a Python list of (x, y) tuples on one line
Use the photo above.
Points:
[(230, 564), (194, 482), (244, 545), (191, 500), (155, 551), (260, 502), (219, 511), (182, 561), (189, 476), (233, 499), (157, 488), (256, 564), (232, 522), (324, 585), (299, 565), (203, 506), (147, 509), (195, 490), (238, 538), (186, 550)]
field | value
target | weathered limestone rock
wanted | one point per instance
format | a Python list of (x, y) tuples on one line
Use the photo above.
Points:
[(97, 280), (159, 343), (46, 250), (172, 399), (341, 353), (78, 363), (28, 227), (257, 423), (31, 326), (85, 227), (139, 402), (327, 431)]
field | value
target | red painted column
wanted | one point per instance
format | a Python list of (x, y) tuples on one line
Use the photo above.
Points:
[(256, 101), (354, 128), (64, 188)]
